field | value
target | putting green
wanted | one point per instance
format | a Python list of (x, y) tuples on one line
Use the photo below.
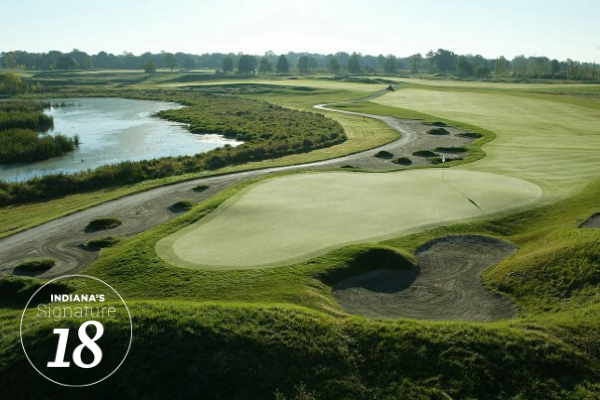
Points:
[(291, 218)]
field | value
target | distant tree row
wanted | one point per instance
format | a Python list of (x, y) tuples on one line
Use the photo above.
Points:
[(446, 62), (442, 62)]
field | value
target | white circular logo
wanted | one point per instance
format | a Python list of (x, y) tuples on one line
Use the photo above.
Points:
[(80, 339)]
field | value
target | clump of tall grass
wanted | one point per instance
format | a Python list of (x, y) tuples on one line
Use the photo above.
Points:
[(24, 145)]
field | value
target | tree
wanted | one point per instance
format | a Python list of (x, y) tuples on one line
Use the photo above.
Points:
[(354, 64), (9, 60), (482, 71), (501, 67), (170, 61), (334, 66), (381, 62), (283, 67), (83, 59), (519, 65), (100, 60), (555, 67), (66, 62), (463, 66), (265, 66), (415, 62), (430, 60), (149, 67), (227, 65), (443, 60), (12, 84), (389, 65), (189, 62), (246, 64), (303, 65)]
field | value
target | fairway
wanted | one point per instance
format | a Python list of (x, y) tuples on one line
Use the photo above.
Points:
[(554, 144), (292, 218)]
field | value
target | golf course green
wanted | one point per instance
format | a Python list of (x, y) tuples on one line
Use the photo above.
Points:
[(291, 218), (547, 140)]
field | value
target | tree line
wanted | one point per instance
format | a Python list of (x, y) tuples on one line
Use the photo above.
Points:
[(443, 62)]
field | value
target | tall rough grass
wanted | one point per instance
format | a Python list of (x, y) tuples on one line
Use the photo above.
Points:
[(24, 145)]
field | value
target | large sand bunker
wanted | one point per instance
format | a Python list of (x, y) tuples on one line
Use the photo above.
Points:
[(445, 286), (296, 217)]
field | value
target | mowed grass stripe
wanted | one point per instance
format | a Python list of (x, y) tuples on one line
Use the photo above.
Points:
[(292, 218)]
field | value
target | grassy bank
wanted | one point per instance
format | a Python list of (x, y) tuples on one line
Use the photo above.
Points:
[(223, 351)]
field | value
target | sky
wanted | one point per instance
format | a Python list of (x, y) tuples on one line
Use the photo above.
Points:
[(558, 29)]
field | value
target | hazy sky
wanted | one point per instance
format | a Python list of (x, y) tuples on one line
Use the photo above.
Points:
[(554, 28)]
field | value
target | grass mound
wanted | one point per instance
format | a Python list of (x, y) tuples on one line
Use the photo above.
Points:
[(100, 243), (384, 154), (438, 131), (403, 161), (438, 123), (461, 149), (471, 135), (200, 188), (564, 270), (103, 223), (365, 259), (36, 265), (182, 205), (424, 153)]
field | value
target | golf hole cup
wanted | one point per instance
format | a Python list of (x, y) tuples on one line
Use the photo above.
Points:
[(76, 330)]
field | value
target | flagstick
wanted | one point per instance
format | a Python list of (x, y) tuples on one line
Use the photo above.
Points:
[(443, 169)]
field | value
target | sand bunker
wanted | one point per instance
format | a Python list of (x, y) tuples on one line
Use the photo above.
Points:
[(445, 286), (592, 222)]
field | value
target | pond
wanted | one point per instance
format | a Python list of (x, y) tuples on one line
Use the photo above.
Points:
[(112, 130)]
